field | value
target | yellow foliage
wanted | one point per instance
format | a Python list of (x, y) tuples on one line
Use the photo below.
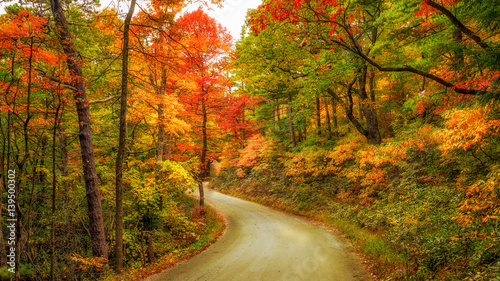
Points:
[(466, 128), (481, 203), (86, 263)]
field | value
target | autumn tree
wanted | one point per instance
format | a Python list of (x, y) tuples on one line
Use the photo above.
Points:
[(99, 248), (207, 45)]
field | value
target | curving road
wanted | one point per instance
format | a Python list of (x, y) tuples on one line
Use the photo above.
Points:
[(262, 244)]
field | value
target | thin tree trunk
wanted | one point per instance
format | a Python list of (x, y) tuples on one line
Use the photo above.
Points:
[(97, 234), (121, 144), (278, 115), (318, 115), (160, 144), (335, 119), (63, 143), (290, 120), (328, 122), (54, 186), (203, 159)]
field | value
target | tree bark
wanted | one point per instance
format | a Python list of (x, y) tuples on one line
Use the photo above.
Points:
[(150, 249), (459, 60), (54, 187), (328, 122), (290, 121), (204, 171), (121, 144), (97, 234), (372, 130), (318, 116), (335, 119)]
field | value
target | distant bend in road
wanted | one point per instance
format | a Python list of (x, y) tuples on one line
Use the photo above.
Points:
[(261, 244)]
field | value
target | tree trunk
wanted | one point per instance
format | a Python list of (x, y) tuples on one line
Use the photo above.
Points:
[(372, 130), (168, 146), (63, 143), (328, 122), (290, 120), (459, 59), (318, 115), (278, 115), (204, 171), (372, 87), (97, 234), (121, 144), (160, 144), (150, 249), (335, 119), (54, 186)]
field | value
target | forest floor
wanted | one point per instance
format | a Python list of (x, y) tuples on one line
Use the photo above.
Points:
[(264, 244)]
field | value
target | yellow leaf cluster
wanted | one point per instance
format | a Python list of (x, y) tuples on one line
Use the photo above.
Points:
[(467, 128)]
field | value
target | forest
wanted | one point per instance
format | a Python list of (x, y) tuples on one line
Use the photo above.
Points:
[(378, 117)]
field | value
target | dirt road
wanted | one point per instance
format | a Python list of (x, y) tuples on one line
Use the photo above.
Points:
[(262, 244)]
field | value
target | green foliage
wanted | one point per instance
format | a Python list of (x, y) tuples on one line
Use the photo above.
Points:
[(26, 271), (432, 208)]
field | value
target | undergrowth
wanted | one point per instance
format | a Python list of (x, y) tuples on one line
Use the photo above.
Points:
[(175, 243), (414, 207)]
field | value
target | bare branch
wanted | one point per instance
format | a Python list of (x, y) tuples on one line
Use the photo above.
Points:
[(104, 100)]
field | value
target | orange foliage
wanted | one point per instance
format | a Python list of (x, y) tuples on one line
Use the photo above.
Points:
[(481, 202), (466, 128)]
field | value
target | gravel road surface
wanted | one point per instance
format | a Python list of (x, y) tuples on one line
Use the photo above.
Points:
[(263, 244)]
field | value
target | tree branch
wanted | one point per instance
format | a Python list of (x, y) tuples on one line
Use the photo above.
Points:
[(457, 23), (421, 73), (54, 79), (104, 100)]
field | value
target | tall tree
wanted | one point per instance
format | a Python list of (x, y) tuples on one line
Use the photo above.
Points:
[(97, 234), (122, 141), (207, 47)]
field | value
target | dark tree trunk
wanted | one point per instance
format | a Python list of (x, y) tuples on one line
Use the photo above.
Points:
[(63, 143), (54, 186), (372, 130), (318, 115), (335, 119), (97, 234), (204, 171), (150, 249), (459, 60), (372, 87), (121, 144), (290, 121), (328, 122), (278, 113)]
